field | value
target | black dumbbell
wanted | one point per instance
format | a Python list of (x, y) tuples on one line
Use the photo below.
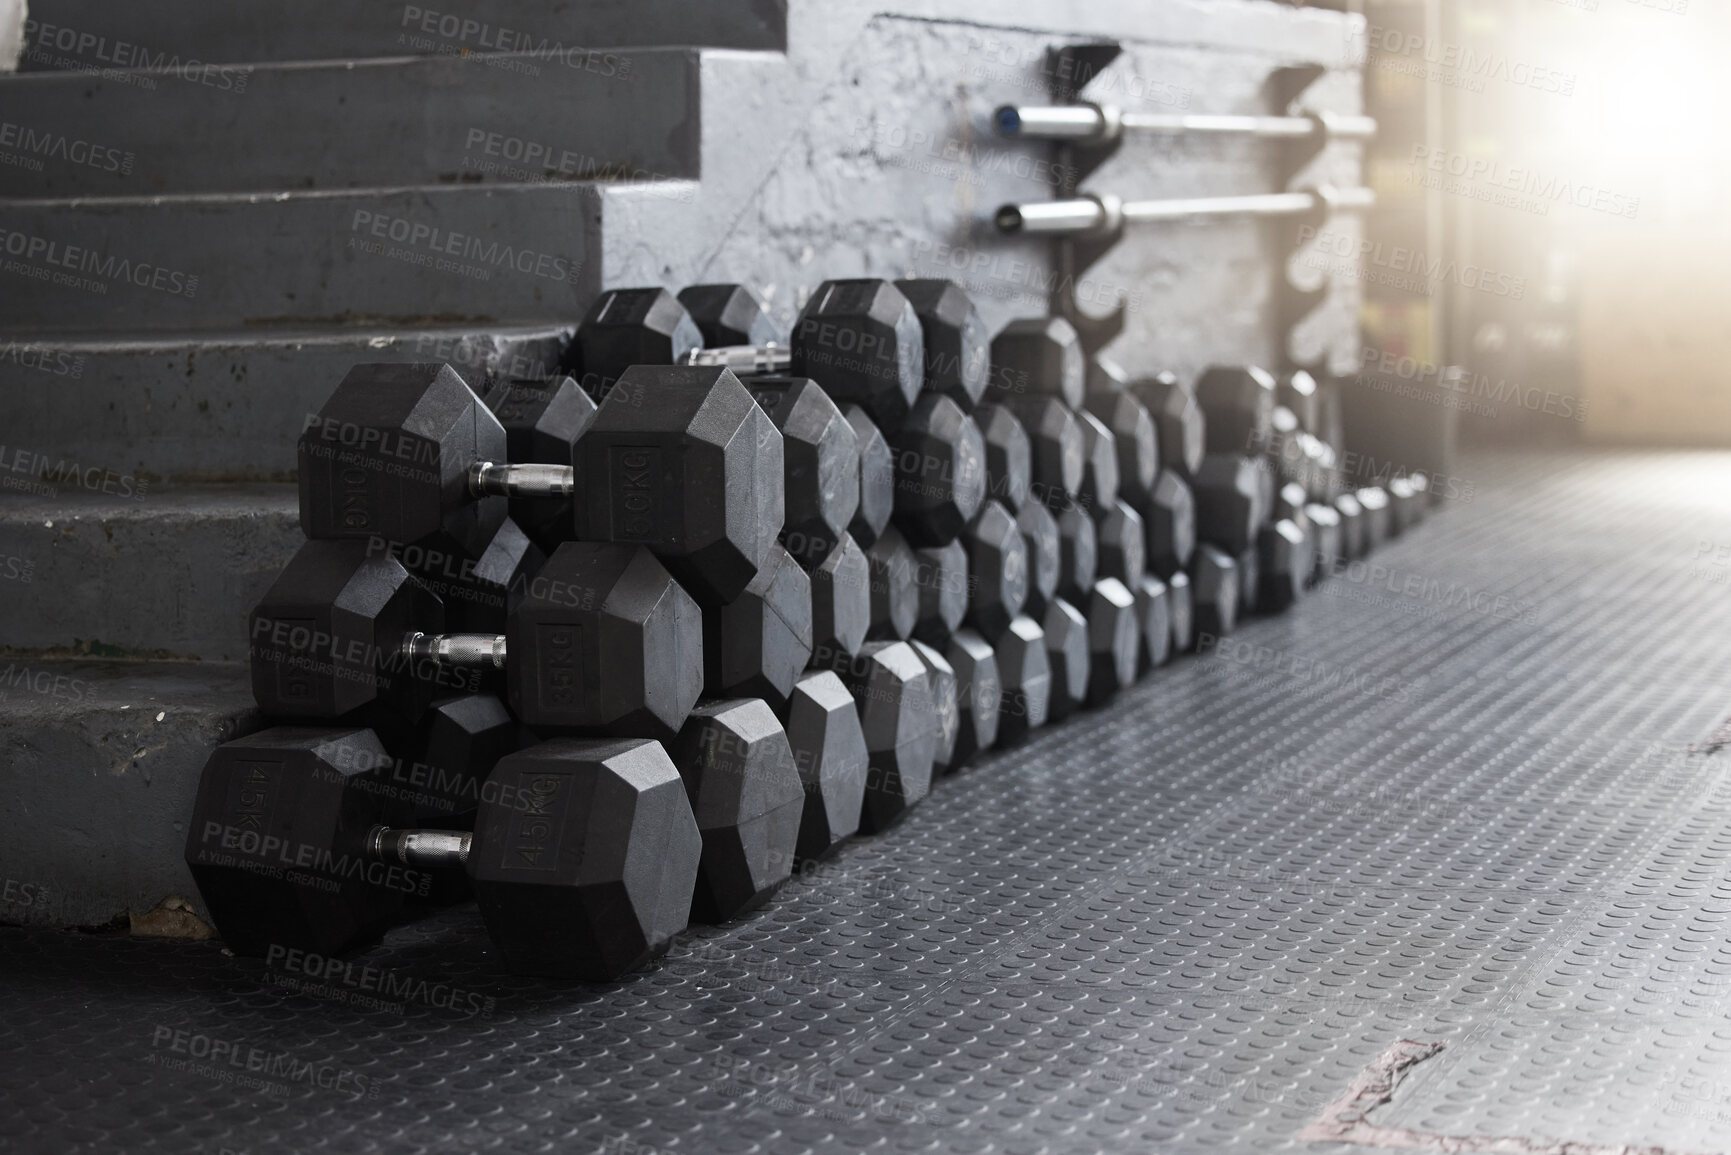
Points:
[(829, 750), (820, 456), (626, 327), (841, 599), (1099, 489), (997, 570), (895, 598), (1237, 408), (1070, 657), (1229, 491), (682, 461), (1057, 454), (747, 795), (1169, 518), (940, 471), (1009, 456), (958, 349), (877, 478), (941, 681), (859, 339), (1120, 545), (726, 315), (893, 694), (941, 579), (1215, 595), (583, 857), (603, 639), (979, 695), (1135, 437), (1025, 677), (1114, 639), (1045, 550), (1154, 619), (757, 645), (1038, 355), (543, 420), (480, 591), (1177, 419)]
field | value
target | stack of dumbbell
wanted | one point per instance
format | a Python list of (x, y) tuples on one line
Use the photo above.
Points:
[(616, 651)]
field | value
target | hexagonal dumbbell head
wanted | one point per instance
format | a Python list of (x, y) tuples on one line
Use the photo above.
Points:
[(1177, 419), (841, 600), (1039, 355), (1104, 376), (447, 758), (862, 341), (728, 315), (1238, 407), (958, 349), (1078, 554), (544, 420), (1121, 543), (1114, 639), (388, 457), (979, 696), (1213, 594), (1283, 549), (302, 797), (1228, 491), (1099, 464), (942, 579), (1373, 499), (1039, 530), (940, 471), (877, 478), (1250, 583), (1183, 613), (479, 592), (1134, 437), (1009, 456), (1067, 652), (585, 857), (326, 636), (1154, 621), (895, 599), (820, 456), (1353, 542), (829, 750), (1401, 499), (1055, 439), (1297, 391), (756, 645), (746, 792), (626, 327), (893, 694), (681, 459), (941, 677), (1025, 674), (605, 640), (1325, 543), (997, 569)]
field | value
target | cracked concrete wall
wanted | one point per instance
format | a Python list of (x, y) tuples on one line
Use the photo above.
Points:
[(868, 151)]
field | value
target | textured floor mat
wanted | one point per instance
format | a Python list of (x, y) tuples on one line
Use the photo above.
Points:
[(1464, 797)]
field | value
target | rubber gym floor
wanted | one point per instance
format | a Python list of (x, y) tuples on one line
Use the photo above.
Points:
[(1441, 859)]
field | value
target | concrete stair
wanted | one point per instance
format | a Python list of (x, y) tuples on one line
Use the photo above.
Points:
[(388, 122)]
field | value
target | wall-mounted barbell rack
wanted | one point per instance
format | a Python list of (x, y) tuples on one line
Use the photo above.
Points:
[(1084, 135)]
